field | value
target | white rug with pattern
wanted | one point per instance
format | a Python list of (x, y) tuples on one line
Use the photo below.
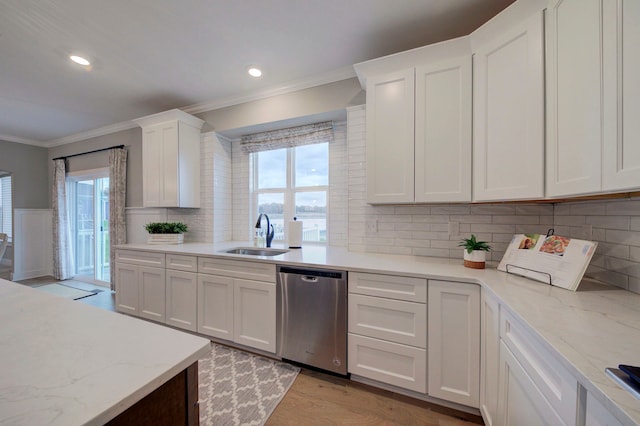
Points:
[(238, 388)]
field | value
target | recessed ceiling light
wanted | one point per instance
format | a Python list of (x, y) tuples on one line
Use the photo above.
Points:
[(254, 72), (80, 60)]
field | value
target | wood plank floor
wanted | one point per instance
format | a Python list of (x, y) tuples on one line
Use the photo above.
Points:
[(320, 399)]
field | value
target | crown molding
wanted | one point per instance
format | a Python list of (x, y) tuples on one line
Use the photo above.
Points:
[(113, 128), (306, 83), (15, 139)]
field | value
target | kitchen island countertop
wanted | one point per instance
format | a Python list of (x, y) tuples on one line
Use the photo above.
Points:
[(595, 327), (67, 363)]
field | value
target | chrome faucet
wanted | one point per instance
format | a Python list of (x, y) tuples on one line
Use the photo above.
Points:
[(270, 231)]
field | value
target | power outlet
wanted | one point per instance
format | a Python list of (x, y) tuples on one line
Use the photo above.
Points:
[(372, 225)]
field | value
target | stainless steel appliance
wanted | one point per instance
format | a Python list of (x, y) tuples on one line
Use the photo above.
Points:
[(312, 317)]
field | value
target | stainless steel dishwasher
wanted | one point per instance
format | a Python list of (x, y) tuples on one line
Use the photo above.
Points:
[(312, 317)]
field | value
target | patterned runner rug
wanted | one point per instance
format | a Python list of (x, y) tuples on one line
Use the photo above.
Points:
[(66, 291), (238, 388)]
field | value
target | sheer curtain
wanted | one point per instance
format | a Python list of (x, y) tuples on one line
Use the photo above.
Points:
[(117, 196), (62, 254)]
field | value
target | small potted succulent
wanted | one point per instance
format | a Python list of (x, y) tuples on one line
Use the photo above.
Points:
[(474, 252), (166, 232)]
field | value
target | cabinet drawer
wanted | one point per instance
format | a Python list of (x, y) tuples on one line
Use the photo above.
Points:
[(391, 286), (388, 319), (237, 269), (557, 385), (182, 262), (392, 363), (145, 258)]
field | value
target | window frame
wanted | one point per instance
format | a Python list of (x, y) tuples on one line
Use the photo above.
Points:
[(289, 193)]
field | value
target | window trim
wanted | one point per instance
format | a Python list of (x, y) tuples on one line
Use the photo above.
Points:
[(289, 193)]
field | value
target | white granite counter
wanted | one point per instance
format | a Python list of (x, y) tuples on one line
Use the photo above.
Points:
[(593, 328), (67, 363)]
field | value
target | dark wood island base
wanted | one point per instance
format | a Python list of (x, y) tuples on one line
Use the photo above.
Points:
[(173, 403)]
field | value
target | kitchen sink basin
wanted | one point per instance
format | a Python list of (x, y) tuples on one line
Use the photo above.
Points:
[(254, 251)]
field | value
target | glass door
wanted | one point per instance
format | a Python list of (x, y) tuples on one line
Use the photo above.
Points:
[(88, 208)]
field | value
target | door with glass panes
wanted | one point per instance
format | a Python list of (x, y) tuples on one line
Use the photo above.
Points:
[(88, 211)]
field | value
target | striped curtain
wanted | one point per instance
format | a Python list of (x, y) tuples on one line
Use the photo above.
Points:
[(287, 138)]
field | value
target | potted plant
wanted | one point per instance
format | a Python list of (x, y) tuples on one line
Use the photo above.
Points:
[(474, 252), (166, 232)]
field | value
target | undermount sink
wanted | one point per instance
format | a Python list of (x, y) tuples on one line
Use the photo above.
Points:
[(253, 251)]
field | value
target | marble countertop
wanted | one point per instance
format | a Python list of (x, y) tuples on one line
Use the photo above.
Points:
[(596, 327), (67, 363)]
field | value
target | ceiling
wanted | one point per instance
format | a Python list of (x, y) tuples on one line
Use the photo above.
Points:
[(150, 56)]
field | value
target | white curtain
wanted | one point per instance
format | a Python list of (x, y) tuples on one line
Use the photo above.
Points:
[(62, 251), (117, 196)]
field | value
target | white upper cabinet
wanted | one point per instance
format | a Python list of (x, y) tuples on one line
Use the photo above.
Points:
[(621, 153), (443, 131), (593, 96), (418, 146), (170, 159), (390, 138), (575, 128), (508, 105)]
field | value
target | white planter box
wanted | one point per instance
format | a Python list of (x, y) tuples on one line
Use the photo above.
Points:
[(475, 259), (165, 239)]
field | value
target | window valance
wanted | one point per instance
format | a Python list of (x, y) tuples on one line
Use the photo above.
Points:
[(287, 138)]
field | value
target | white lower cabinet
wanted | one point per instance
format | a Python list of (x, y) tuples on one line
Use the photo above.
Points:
[(181, 299), (215, 306), (140, 288), (388, 335), (254, 313), (520, 402), (556, 385), (489, 357), (237, 302), (598, 415), (454, 342)]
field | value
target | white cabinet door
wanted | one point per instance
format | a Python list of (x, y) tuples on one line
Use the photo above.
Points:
[(598, 415), (443, 131), (508, 111), (181, 298), (399, 365), (215, 306), (489, 357), (575, 120), (126, 288), (390, 138), (621, 153), (519, 400), (454, 342), (151, 293), (160, 165), (254, 322)]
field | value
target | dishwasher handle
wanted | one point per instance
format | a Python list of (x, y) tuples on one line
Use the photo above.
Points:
[(309, 279), (312, 272)]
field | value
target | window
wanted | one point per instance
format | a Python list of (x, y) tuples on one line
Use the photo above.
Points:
[(293, 182), (6, 207)]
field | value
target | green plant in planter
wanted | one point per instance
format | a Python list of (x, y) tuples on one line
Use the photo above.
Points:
[(471, 244), (166, 228)]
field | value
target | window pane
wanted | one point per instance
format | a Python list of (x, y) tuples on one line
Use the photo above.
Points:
[(273, 206), (311, 209), (272, 169), (312, 165)]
